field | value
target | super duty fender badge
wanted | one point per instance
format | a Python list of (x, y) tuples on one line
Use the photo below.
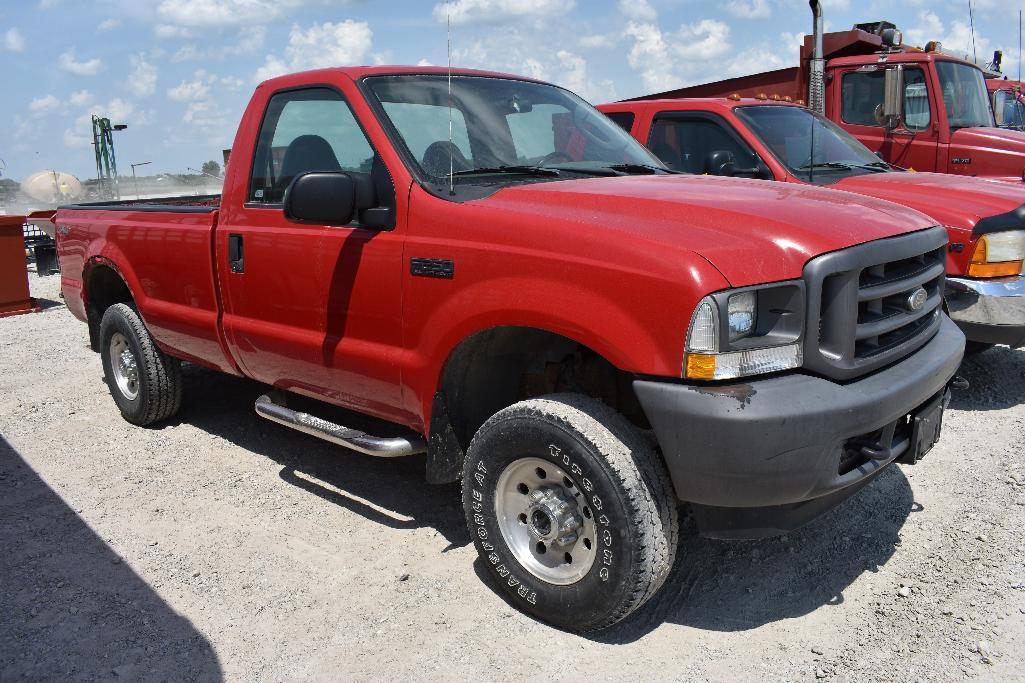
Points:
[(961, 160), (63, 229)]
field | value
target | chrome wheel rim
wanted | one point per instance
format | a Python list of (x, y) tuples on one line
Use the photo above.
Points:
[(545, 520), (124, 366)]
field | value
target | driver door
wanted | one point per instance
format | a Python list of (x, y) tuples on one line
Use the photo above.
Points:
[(916, 144), (314, 309)]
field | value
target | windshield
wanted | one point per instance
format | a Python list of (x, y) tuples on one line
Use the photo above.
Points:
[(1008, 109), (788, 133), (964, 95), (500, 123)]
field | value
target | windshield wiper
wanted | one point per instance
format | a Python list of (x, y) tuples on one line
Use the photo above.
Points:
[(520, 170), (640, 168), (826, 164)]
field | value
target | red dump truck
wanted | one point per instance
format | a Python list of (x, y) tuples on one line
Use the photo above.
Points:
[(985, 292), (1008, 102), (923, 109), (515, 289)]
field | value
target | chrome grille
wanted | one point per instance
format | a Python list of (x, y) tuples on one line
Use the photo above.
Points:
[(859, 314)]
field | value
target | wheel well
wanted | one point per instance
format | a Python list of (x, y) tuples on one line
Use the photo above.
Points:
[(104, 287), (496, 368)]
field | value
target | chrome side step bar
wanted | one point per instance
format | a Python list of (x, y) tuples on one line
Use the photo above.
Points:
[(391, 447)]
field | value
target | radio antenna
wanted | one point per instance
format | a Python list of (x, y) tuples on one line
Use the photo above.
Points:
[(1019, 46), (451, 156), (971, 22)]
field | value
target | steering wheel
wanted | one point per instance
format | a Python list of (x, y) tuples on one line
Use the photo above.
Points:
[(582, 117)]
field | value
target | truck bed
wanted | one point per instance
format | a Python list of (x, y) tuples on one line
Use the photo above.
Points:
[(782, 82), (188, 204)]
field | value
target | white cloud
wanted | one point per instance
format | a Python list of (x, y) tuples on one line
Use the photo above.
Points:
[(574, 77), (490, 11), (650, 56), (117, 110), (705, 39), (319, 46), (669, 60), (80, 98), (749, 9), (957, 38), (43, 105), (640, 10), (207, 13), (171, 32), (248, 41), (89, 67), (13, 40), (108, 24), (597, 40), (142, 80), (190, 91)]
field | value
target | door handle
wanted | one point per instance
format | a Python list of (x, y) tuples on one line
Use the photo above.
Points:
[(236, 254)]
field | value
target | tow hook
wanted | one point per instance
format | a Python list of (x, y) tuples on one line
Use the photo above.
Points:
[(958, 382)]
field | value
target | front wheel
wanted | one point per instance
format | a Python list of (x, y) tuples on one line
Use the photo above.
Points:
[(571, 510)]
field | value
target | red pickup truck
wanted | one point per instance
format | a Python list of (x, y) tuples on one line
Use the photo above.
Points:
[(985, 290), (938, 117), (534, 302)]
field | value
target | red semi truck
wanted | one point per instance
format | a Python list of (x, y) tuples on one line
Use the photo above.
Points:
[(985, 290), (514, 287), (920, 109)]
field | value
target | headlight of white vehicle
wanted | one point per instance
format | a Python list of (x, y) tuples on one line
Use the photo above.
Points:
[(744, 332)]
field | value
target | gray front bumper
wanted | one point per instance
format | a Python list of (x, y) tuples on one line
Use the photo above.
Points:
[(988, 311)]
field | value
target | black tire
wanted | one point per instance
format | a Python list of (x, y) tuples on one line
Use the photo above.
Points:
[(635, 508), (159, 377)]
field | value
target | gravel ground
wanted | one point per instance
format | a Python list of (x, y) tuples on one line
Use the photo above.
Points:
[(224, 546)]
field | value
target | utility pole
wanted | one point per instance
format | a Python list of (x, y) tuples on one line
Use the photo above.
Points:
[(135, 181)]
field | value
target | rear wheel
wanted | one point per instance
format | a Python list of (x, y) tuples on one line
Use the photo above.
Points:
[(571, 510), (146, 383)]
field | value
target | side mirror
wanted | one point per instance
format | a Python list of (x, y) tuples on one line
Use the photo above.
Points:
[(893, 97), (322, 198), (720, 162)]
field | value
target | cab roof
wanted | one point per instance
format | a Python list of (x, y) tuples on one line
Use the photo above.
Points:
[(356, 73)]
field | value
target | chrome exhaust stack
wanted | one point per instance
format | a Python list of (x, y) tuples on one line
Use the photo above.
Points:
[(817, 67), (380, 447)]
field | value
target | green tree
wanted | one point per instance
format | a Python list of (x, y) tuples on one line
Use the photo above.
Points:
[(212, 168)]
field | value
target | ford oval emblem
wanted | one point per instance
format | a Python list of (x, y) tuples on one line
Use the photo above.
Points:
[(916, 299)]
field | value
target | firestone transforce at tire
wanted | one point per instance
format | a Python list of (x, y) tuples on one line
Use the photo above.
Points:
[(571, 510), (146, 384)]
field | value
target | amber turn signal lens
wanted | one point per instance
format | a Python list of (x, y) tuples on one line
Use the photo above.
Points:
[(981, 266), (1003, 269), (700, 366)]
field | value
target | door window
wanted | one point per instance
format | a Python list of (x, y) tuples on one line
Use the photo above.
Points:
[(686, 143), (306, 130), (863, 93)]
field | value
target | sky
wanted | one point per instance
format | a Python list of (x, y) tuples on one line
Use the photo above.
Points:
[(179, 73)]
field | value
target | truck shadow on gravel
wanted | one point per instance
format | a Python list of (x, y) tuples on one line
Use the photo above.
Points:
[(996, 378), (392, 492), (70, 609)]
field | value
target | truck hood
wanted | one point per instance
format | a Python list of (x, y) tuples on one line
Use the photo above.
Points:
[(997, 138), (990, 153), (752, 231), (957, 202)]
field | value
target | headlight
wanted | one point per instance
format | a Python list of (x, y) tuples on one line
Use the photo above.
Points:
[(998, 254), (741, 314), (747, 332)]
